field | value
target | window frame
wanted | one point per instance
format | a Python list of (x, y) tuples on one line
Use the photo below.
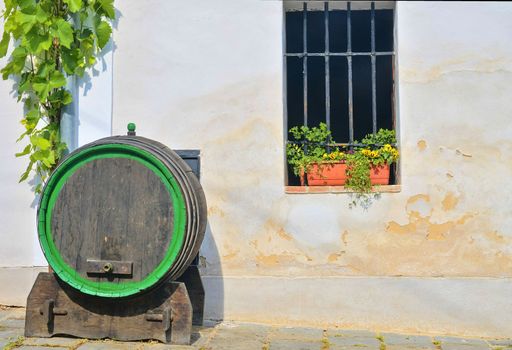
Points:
[(373, 53)]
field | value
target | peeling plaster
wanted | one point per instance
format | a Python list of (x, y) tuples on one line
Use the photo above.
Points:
[(452, 217)]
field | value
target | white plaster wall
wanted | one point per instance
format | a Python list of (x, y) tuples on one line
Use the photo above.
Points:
[(208, 75), (18, 242), (19, 247)]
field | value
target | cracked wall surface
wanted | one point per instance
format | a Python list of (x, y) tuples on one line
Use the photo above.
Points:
[(220, 90)]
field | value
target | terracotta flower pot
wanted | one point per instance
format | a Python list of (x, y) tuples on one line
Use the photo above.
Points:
[(328, 174), (379, 175), (334, 174)]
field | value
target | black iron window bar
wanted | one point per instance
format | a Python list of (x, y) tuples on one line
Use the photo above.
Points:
[(349, 54)]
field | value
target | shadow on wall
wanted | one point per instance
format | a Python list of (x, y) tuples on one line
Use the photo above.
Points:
[(211, 271)]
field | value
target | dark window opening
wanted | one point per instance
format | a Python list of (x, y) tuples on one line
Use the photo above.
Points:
[(337, 54)]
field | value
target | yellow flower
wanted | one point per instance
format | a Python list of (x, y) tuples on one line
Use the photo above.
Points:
[(325, 156)]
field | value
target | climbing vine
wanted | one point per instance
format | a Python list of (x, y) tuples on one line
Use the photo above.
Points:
[(51, 40)]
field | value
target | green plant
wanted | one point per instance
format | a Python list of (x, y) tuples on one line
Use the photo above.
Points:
[(53, 39), (358, 173), (380, 138), (308, 147), (314, 145)]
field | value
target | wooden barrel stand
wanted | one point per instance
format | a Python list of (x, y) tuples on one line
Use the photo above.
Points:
[(120, 221), (54, 308)]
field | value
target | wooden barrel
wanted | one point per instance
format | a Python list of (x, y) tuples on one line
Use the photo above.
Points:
[(120, 215)]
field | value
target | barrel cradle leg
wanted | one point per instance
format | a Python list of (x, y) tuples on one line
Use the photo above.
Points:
[(181, 314), (192, 280), (39, 316)]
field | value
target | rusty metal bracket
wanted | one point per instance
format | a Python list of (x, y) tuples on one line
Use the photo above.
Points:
[(103, 267)]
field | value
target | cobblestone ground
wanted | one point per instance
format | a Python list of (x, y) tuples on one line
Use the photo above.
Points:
[(244, 336)]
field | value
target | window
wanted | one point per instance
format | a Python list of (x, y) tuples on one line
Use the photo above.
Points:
[(339, 64)]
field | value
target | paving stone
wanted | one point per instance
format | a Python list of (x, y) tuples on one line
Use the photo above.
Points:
[(210, 323), (355, 347), (297, 333), (242, 331), (408, 347), (36, 347), (99, 345), (55, 341), (464, 347), (363, 342), (13, 323), (17, 313), (166, 347), (288, 344), (243, 328), (198, 339), (336, 332), (407, 341), (203, 329), (505, 343), (228, 343), (11, 333), (461, 341)]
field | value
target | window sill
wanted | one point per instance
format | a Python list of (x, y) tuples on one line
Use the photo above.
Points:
[(338, 189)]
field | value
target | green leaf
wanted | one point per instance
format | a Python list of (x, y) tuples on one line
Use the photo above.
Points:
[(40, 142), (26, 4), (74, 5), (60, 96), (41, 15), (70, 60), (64, 32), (45, 68), (11, 26), (57, 80), (25, 151), (67, 98), (42, 88), (4, 44), (17, 63), (9, 5), (20, 53), (26, 20), (108, 8), (51, 158), (24, 83), (24, 176), (37, 42), (86, 50), (103, 32)]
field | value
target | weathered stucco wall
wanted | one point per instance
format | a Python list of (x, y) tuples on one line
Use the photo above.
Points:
[(208, 76), (212, 80)]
